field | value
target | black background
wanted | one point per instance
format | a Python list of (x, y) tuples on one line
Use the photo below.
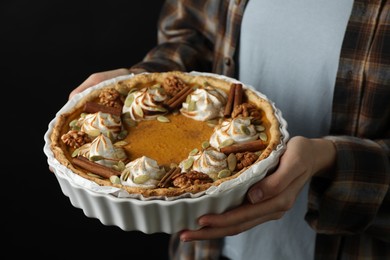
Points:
[(48, 48)]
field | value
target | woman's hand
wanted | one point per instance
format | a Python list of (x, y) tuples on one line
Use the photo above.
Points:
[(271, 197), (98, 77)]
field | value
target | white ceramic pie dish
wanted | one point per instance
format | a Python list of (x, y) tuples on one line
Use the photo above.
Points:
[(154, 215)]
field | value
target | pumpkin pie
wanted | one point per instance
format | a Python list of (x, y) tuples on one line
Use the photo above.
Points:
[(166, 134)]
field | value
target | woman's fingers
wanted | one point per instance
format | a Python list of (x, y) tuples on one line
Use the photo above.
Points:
[(218, 232), (247, 215), (97, 78), (294, 163)]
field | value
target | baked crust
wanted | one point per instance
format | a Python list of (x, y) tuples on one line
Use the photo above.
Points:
[(63, 153)]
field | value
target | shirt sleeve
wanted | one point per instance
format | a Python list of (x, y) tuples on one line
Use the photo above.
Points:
[(182, 41), (353, 197)]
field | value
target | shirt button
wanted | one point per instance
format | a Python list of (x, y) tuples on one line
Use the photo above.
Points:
[(227, 61)]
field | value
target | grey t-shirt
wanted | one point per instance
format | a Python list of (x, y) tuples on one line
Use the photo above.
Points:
[(289, 50)]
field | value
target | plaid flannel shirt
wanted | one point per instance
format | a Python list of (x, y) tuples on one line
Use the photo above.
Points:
[(349, 207)]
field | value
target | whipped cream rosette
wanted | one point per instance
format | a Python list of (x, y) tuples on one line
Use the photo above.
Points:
[(102, 151), (146, 103), (208, 161), (98, 123), (143, 172), (204, 104), (233, 130)]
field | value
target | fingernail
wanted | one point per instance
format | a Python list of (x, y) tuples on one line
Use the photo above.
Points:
[(184, 239), (202, 223), (255, 195)]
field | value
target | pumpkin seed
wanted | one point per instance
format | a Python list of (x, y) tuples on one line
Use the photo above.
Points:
[(138, 110), (245, 130), (212, 123), (95, 158), (194, 151), (260, 128), (188, 163), (232, 162), (115, 179), (129, 121), (110, 135), (163, 119), (121, 166), (192, 106), (94, 175), (125, 175), (141, 179), (263, 137), (188, 99), (122, 135), (73, 123), (120, 153), (134, 89), (117, 167), (159, 109), (227, 142), (256, 121), (120, 143), (129, 100), (93, 133), (224, 173), (205, 145), (75, 152)]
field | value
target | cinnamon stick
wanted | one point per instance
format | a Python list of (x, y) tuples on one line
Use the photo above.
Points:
[(165, 181), (238, 92), (229, 104), (251, 146), (92, 107), (179, 98), (179, 94), (95, 168)]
